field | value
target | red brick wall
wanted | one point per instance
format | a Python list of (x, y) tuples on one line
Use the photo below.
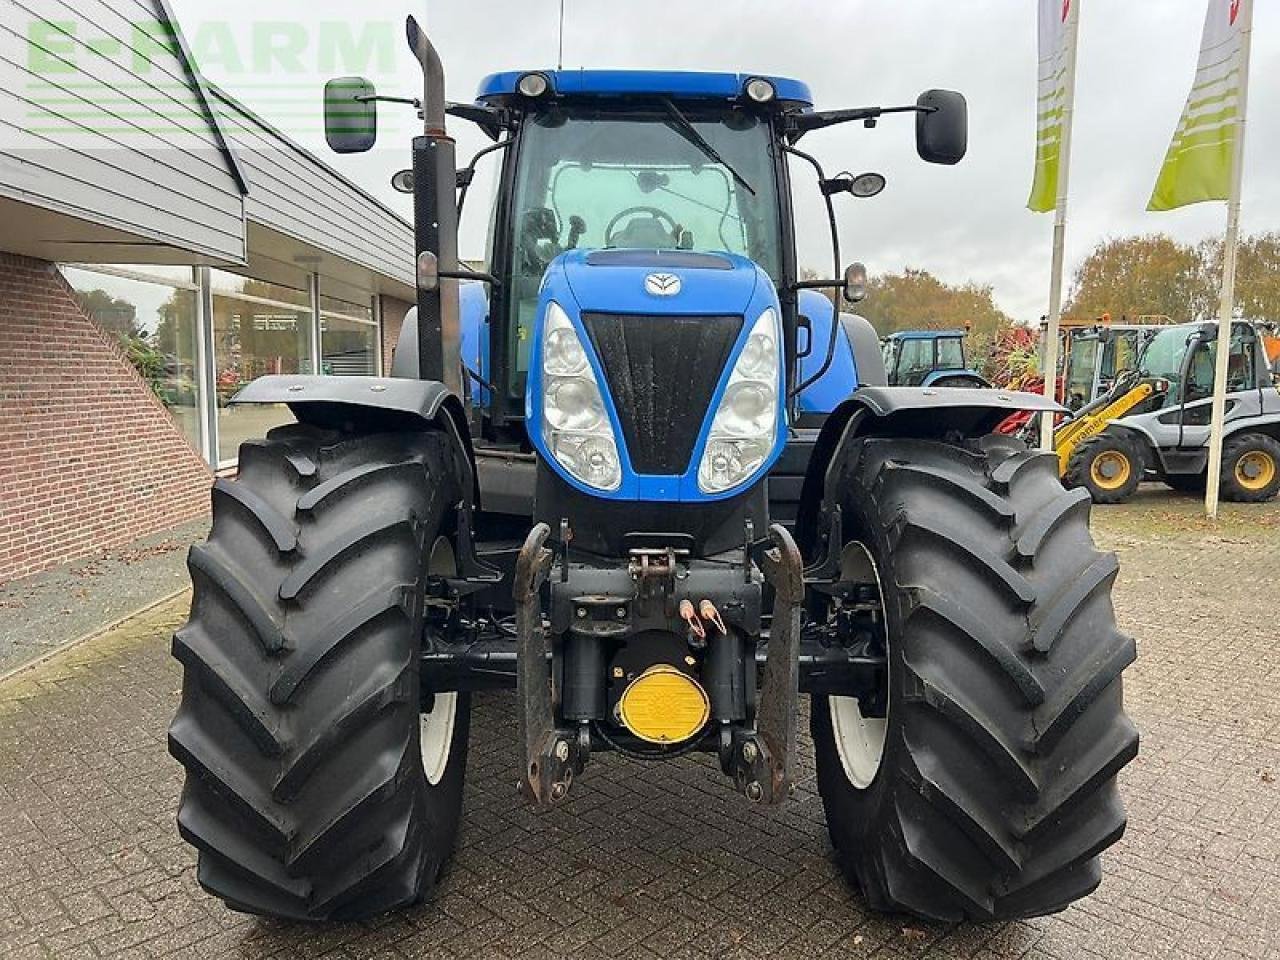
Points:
[(393, 312), (89, 458)]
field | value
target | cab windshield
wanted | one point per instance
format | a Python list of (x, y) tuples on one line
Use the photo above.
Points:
[(591, 179)]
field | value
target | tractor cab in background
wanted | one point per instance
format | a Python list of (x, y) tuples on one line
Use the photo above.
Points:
[(929, 358)]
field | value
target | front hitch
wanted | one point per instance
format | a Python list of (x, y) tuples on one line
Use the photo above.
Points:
[(764, 762), (550, 755)]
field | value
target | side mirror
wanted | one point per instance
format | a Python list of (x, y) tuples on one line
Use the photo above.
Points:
[(350, 115), (855, 282), (942, 126)]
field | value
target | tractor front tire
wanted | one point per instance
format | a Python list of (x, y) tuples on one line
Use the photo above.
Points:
[(316, 788), (988, 789), (1109, 466), (1250, 468)]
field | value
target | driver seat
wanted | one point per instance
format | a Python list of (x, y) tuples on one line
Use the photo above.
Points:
[(645, 232)]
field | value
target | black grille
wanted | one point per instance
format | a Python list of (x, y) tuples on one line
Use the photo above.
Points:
[(662, 371)]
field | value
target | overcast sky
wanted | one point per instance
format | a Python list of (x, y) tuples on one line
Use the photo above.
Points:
[(963, 223)]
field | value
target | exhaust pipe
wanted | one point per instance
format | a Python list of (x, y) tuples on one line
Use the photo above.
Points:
[(435, 223)]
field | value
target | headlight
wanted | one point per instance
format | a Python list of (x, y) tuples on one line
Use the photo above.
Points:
[(575, 426), (746, 423)]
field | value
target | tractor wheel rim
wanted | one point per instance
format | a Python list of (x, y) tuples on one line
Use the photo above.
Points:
[(1256, 470), (435, 734), (860, 740), (1110, 470)]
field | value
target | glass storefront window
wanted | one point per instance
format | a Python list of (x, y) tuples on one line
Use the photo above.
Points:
[(151, 311), (348, 338), (259, 328)]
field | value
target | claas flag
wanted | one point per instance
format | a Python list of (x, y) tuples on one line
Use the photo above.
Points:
[(1055, 18), (1198, 164)]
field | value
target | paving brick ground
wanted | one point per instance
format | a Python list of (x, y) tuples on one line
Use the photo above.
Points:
[(665, 860)]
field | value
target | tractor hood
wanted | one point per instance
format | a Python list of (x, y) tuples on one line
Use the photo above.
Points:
[(662, 332), (660, 281)]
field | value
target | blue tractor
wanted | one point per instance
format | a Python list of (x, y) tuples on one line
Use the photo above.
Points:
[(643, 474), (929, 358)]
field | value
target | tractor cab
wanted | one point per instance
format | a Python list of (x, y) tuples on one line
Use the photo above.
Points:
[(929, 358)]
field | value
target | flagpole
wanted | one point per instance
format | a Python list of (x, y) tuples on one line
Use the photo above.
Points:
[(1059, 231), (1226, 306)]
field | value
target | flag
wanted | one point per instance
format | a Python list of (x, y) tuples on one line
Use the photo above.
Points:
[(1056, 19), (1198, 164)]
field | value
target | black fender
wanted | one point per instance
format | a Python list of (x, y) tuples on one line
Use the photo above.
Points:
[(373, 403), (930, 413)]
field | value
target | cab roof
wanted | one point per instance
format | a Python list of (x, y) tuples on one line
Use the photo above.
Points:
[(924, 334), (677, 84)]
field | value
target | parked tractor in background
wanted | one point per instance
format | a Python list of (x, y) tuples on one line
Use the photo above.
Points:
[(1154, 420), (929, 358), (574, 486)]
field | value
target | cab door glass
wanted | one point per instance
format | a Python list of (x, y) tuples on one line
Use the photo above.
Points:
[(950, 354), (915, 361)]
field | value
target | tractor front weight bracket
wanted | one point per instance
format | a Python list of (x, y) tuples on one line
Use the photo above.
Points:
[(764, 761), (550, 756)]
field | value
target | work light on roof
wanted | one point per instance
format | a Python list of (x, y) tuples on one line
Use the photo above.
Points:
[(533, 85), (760, 90)]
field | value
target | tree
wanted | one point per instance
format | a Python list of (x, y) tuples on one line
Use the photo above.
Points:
[(916, 299), (112, 314), (1142, 275), (1257, 274)]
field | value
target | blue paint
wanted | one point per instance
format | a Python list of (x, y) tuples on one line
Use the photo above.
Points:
[(577, 286), (473, 314), (672, 83), (841, 378)]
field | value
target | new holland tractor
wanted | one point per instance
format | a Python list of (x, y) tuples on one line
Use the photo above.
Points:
[(929, 358), (645, 476)]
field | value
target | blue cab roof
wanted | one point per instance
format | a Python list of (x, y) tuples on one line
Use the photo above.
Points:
[(924, 334), (676, 84)]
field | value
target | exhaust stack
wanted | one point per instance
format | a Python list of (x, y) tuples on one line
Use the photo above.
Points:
[(435, 222)]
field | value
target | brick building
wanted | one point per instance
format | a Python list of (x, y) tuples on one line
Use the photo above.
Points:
[(152, 260)]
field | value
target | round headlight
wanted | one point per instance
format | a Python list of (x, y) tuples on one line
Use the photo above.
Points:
[(533, 85), (564, 354), (760, 90), (759, 358), (572, 404)]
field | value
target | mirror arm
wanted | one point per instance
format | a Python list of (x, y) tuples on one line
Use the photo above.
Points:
[(468, 173), (374, 97), (800, 124), (479, 275), (831, 210)]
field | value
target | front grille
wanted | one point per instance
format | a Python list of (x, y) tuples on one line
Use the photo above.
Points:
[(662, 371)]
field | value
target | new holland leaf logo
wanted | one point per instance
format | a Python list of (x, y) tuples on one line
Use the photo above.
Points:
[(662, 284)]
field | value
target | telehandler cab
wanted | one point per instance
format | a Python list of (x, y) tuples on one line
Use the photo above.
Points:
[(645, 475)]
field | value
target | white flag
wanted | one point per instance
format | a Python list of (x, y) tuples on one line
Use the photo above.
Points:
[(1056, 20), (1198, 164)]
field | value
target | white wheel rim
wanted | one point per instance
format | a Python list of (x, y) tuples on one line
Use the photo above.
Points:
[(436, 736), (435, 731), (859, 740)]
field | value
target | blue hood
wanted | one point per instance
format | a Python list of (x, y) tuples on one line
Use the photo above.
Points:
[(613, 281)]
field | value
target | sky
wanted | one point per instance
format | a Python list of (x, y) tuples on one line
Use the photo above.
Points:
[(963, 223)]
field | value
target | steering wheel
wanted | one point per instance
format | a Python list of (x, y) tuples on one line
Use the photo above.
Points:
[(655, 212)]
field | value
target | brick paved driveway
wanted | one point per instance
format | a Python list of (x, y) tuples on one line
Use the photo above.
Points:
[(664, 860)]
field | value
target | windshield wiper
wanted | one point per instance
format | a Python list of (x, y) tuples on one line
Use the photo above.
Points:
[(690, 133)]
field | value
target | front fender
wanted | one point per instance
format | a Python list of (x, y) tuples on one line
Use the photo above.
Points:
[(372, 404), (924, 412)]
